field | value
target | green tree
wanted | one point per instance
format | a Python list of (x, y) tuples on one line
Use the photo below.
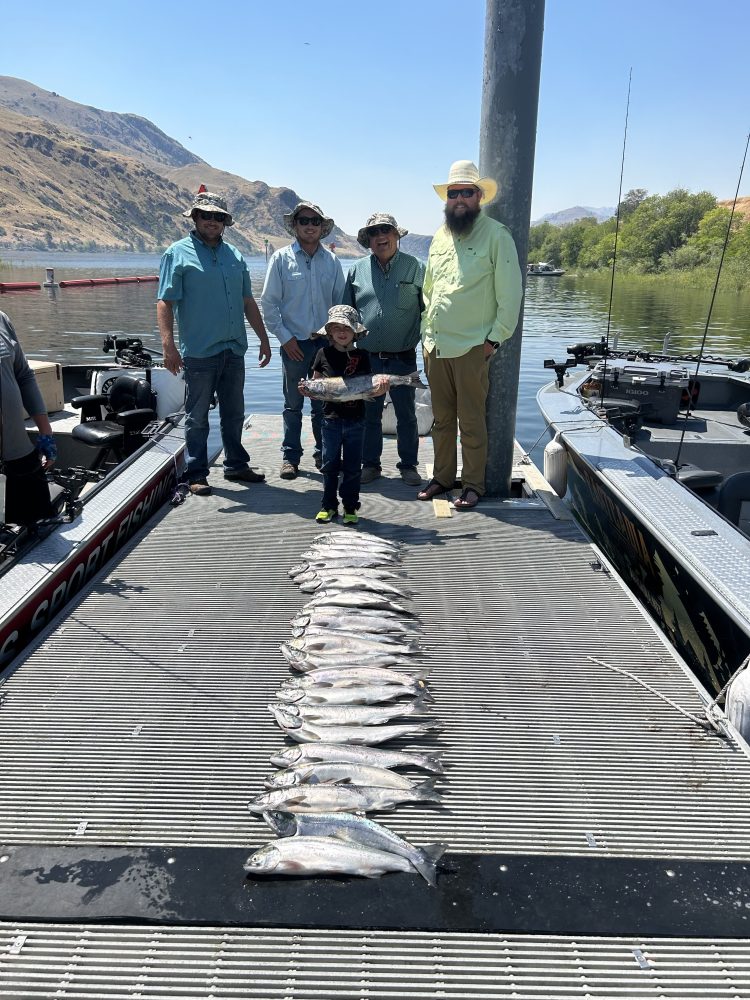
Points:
[(660, 224)]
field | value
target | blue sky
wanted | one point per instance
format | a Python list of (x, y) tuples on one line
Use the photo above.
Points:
[(363, 106)]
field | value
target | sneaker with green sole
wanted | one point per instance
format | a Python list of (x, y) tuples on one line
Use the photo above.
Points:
[(326, 516), (352, 518)]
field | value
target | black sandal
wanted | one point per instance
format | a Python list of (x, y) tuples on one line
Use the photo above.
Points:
[(431, 490), (463, 502)]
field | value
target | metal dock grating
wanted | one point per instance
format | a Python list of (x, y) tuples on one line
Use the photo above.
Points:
[(113, 963)]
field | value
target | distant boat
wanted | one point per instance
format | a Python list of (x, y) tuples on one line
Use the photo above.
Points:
[(544, 270)]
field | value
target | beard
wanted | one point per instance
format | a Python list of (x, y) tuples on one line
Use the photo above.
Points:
[(460, 224)]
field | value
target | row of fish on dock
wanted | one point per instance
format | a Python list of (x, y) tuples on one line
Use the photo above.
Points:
[(359, 682)]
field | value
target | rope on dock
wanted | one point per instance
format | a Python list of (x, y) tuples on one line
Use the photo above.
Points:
[(709, 723)]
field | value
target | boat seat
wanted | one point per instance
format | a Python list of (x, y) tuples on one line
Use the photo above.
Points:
[(130, 405), (734, 500), (699, 479)]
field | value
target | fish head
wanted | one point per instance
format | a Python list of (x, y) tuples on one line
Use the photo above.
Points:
[(282, 779), (267, 859), (287, 716), (282, 824), (285, 758), (290, 694)]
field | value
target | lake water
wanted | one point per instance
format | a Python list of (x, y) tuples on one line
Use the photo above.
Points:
[(68, 324)]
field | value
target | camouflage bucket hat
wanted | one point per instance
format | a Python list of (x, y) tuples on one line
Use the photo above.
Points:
[(208, 202), (379, 219), (346, 316), (289, 218)]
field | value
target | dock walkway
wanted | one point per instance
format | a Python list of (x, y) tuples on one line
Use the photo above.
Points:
[(598, 839)]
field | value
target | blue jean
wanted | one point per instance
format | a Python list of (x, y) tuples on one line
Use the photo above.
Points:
[(342, 452), (407, 435), (291, 446), (223, 374)]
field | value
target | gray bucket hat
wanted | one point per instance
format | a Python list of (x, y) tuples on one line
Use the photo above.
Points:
[(208, 202), (379, 219), (346, 316), (289, 218)]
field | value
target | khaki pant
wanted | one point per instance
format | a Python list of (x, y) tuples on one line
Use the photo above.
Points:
[(458, 387)]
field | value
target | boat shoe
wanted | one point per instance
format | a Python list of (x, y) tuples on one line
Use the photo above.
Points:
[(247, 475)]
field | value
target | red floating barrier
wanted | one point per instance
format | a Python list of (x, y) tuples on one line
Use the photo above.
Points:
[(19, 286), (88, 282)]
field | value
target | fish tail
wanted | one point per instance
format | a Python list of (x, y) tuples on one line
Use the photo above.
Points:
[(427, 792), (426, 863), (424, 691), (431, 727)]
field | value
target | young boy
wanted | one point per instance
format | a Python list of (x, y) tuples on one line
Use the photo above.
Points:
[(343, 423)]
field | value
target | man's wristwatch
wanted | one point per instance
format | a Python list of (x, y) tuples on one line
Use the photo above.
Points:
[(493, 344)]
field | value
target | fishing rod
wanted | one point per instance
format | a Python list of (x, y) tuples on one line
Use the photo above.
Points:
[(617, 233), (711, 303)]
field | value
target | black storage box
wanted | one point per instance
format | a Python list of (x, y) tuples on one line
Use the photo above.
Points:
[(659, 384)]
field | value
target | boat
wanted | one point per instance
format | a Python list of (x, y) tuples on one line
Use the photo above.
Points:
[(653, 454), (120, 457), (544, 270)]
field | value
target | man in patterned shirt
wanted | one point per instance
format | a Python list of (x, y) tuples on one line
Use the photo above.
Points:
[(386, 288)]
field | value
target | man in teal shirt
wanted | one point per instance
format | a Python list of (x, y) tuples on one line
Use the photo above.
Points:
[(472, 293), (386, 289), (205, 282)]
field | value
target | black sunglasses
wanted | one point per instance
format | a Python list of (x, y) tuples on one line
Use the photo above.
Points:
[(378, 230), (308, 220), (463, 192), (207, 216)]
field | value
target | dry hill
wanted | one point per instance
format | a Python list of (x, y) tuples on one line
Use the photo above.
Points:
[(73, 177)]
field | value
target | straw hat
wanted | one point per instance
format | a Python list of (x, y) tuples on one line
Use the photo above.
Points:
[(379, 219), (289, 218), (466, 172)]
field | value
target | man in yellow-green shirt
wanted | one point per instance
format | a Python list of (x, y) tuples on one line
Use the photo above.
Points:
[(472, 294)]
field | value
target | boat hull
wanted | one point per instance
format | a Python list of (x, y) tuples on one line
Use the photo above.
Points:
[(710, 641), (685, 563), (49, 575)]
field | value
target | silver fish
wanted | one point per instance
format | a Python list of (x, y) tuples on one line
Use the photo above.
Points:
[(330, 553), (353, 562), (356, 676), (338, 773), (323, 856), (304, 731), (359, 830), (341, 642), (381, 622), (326, 695), (336, 535), (355, 599), (354, 715), (359, 755), (361, 572), (348, 582), (302, 661), (341, 798), (315, 635)]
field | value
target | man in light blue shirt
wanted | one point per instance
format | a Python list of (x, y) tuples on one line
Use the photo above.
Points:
[(303, 281), (205, 282)]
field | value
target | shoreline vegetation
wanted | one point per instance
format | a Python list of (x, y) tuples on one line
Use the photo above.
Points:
[(676, 238)]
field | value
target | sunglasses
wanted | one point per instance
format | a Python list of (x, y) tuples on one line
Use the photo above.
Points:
[(463, 193), (207, 216), (379, 230), (308, 220)]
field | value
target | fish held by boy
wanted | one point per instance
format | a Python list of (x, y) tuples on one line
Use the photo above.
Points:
[(344, 389)]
